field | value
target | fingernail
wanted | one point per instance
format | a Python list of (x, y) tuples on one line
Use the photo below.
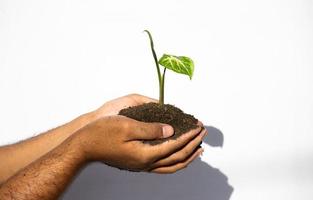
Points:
[(167, 131), (204, 133)]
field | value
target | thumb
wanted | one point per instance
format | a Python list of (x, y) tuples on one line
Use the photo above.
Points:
[(151, 131)]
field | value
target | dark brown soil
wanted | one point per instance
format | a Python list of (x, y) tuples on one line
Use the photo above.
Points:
[(168, 114)]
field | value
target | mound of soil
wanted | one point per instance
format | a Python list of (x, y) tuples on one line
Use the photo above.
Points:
[(168, 114)]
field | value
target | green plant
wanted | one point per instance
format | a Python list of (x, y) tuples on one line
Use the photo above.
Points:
[(179, 64)]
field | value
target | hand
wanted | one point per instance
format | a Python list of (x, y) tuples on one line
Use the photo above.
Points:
[(117, 141), (108, 109), (114, 106)]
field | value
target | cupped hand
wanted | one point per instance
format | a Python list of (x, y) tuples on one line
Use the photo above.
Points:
[(117, 141), (114, 106)]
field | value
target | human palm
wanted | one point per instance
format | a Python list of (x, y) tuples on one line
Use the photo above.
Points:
[(114, 106)]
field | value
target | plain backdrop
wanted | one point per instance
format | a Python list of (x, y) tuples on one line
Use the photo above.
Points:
[(253, 81)]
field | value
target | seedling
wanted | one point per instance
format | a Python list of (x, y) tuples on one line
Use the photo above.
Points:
[(178, 64), (160, 112)]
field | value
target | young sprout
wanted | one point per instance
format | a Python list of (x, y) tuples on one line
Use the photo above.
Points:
[(179, 64)]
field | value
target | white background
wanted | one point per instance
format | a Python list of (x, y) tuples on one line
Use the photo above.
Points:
[(253, 76)]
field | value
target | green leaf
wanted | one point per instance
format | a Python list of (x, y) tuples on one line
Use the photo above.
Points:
[(179, 64)]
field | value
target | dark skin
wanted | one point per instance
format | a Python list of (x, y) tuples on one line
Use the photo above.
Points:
[(113, 140)]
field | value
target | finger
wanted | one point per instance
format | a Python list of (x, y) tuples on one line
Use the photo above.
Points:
[(178, 166), (199, 123), (140, 99), (169, 147), (149, 131), (182, 154)]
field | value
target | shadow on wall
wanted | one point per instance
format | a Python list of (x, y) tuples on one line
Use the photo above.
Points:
[(197, 182)]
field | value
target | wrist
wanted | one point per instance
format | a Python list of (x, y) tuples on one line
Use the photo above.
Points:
[(90, 140), (75, 146), (82, 140), (87, 118)]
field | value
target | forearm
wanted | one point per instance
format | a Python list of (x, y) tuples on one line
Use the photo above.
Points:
[(17, 156), (47, 177)]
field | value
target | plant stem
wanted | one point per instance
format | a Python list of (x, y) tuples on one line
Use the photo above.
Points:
[(161, 78), (162, 88)]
